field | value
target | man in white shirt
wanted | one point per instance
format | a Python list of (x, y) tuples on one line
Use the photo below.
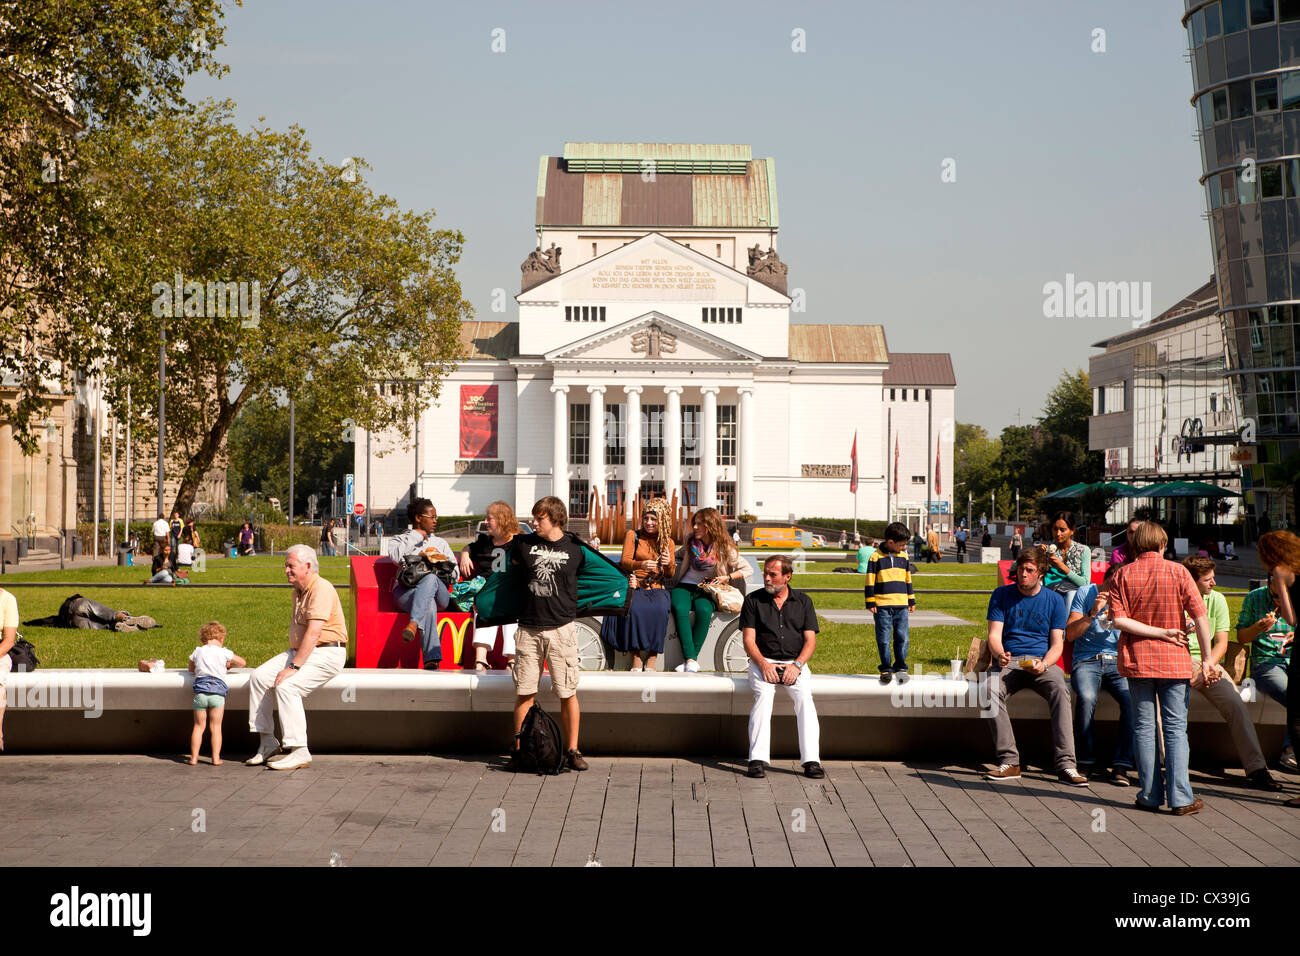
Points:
[(161, 529)]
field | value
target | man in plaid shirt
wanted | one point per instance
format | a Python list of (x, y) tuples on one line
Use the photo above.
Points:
[(1149, 599)]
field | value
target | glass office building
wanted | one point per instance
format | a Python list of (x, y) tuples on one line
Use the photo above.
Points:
[(1245, 58)]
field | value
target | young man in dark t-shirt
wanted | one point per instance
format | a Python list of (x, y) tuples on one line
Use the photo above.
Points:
[(779, 628), (550, 559)]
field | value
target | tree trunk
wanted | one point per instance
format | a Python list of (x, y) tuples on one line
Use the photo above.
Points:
[(202, 459)]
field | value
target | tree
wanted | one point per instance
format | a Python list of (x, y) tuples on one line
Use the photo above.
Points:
[(67, 68), (259, 459), (338, 287)]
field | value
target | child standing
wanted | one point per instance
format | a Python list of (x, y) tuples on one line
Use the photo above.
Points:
[(208, 665), (890, 599)]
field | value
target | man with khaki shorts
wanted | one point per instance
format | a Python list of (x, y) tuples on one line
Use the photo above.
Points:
[(318, 649), (550, 558)]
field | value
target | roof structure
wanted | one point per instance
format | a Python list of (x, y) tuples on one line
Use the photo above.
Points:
[(489, 340), (920, 368), (838, 343), (693, 185), (1195, 305)]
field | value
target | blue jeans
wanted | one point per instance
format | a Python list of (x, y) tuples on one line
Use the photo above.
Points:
[(891, 629), (1170, 696), (1271, 679), (422, 603), (1087, 678), (162, 577)]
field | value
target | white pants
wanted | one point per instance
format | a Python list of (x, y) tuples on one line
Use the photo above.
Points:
[(487, 637), (323, 664), (760, 716)]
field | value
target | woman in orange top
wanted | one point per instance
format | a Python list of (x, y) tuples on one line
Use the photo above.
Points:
[(648, 559)]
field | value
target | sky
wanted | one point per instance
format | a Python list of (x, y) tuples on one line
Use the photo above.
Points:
[(937, 163)]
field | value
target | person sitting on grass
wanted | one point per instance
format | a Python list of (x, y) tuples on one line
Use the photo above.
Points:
[(1026, 638), (162, 567), (208, 664), (184, 561)]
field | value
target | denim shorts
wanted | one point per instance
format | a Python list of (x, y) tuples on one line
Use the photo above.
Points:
[(209, 701)]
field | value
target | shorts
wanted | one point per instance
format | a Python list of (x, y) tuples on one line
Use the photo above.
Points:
[(487, 637), (559, 647), (209, 701)]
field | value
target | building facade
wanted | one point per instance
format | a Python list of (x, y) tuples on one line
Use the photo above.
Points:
[(1245, 59), (654, 354)]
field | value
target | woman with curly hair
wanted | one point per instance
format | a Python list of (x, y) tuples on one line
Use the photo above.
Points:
[(1279, 551), (489, 552), (648, 559), (709, 555)]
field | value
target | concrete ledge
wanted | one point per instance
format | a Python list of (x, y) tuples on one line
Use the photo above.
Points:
[(387, 711)]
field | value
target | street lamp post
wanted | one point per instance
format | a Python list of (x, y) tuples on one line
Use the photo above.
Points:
[(162, 408)]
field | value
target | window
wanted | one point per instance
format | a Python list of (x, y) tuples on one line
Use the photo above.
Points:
[(1288, 10), (584, 313), (1247, 191), (691, 494), (579, 434), (1256, 332), (1265, 95), (719, 250), (650, 489), (918, 479), (892, 396), (579, 498), (727, 498), (927, 394), (593, 250), (614, 493), (1213, 27), (715, 315), (916, 394), (1234, 16), (616, 434), (1239, 98), (1220, 100), (690, 434), (652, 434), (726, 434), (1261, 11), (1270, 181)]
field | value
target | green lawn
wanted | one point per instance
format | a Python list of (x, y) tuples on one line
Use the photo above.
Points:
[(257, 619)]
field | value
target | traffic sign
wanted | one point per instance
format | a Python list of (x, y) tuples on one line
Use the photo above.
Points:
[(359, 509), (347, 492)]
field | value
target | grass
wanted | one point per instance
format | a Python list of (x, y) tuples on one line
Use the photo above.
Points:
[(257, 620)]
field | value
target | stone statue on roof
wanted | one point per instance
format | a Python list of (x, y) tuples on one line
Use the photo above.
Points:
[(768, 269), (540, 266)]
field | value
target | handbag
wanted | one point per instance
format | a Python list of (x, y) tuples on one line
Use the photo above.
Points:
[(416, 567), (725, 597), (23, 655)]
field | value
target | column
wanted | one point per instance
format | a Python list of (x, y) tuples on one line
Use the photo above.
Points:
[(597, 453), (560, 453), (632, 478), (673, 443), (745, 451), (7, 480), (709, 449)]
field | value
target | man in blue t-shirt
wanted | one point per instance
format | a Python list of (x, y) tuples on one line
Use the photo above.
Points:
[(1026, 637), (1096, 664)]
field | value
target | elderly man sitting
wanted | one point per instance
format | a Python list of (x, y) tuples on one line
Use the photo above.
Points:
[(318, 641)]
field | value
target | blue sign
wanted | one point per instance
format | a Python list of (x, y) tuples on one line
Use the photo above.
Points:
[(347, 486)]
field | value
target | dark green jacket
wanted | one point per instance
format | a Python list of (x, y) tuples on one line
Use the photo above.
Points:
[(602, 589)]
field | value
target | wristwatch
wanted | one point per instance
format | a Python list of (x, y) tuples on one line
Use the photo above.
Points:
[(797, 664), (294, 666)]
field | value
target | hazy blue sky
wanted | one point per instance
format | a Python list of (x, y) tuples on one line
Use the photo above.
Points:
[(1067, 160)]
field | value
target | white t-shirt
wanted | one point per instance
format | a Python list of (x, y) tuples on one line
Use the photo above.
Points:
[(8, 610), (161, 528), (185, 553), (210, 660)]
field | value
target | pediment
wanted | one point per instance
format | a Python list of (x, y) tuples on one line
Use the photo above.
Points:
[(653, 268), (652, 339)]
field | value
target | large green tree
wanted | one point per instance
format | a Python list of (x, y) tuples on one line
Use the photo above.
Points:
[(68, 68), (258, 458), (350, 289)]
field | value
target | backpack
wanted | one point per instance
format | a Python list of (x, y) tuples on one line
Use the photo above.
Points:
[(23, 654), (540, 746)]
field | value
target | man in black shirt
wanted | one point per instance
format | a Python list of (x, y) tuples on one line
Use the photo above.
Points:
[(779, 626), (551, 560)]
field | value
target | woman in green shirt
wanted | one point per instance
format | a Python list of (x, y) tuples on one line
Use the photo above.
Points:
[(1070, 564), (1261, 626), (864, 555)]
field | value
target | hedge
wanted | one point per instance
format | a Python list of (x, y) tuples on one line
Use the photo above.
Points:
[(211, 534)]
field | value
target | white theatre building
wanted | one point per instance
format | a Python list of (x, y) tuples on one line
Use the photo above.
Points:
[(655, 317)]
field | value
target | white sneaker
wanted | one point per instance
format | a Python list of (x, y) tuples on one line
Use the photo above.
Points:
[(295, 758), (680, 668), (634, 670), (270, 747), (1288, 760), (692, 667)]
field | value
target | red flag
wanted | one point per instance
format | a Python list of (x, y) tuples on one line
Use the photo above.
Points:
[(938, 485), (895, 464), (853, 473)]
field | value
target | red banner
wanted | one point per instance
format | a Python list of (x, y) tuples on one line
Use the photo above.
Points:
[(478, 421)]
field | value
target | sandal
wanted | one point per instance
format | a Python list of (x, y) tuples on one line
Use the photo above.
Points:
[(481, 666), (1293, 802)]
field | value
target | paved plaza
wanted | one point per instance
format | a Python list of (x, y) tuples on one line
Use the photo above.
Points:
[(409, 810)]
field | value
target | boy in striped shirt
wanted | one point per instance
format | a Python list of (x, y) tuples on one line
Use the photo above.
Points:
[(889, 597)]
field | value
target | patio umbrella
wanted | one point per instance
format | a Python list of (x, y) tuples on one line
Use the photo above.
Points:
[(1069, 492)]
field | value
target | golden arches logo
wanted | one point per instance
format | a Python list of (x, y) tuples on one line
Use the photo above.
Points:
[(456, 625)]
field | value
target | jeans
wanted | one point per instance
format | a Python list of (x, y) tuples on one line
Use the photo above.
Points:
[(1272, 680), (1049, 685), (1171, 697), (422, 603), (91, 615), (162, 577), (1087, 678), (1292, 699), (891, 629), (685, 599)]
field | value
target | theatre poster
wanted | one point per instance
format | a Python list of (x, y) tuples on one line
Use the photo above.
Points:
[(478, 421)]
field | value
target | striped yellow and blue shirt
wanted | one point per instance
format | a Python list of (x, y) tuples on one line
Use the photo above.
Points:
[(889, 581)]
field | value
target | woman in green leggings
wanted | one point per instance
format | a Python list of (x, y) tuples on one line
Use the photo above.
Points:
[(708, 555)]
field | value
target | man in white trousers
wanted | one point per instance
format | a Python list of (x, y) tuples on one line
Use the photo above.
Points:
[(318, 649), (779, 627)]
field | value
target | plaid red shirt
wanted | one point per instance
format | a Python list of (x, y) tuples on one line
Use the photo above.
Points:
[(1157, 592)]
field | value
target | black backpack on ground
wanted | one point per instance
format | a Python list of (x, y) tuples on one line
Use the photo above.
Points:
[(540, 744), (23, 654)]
